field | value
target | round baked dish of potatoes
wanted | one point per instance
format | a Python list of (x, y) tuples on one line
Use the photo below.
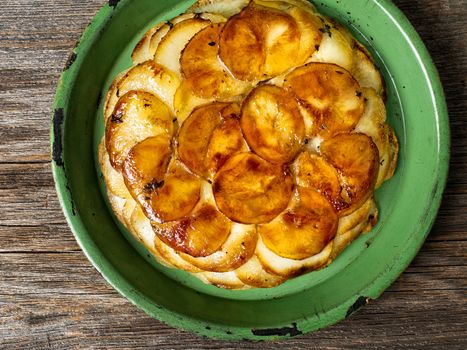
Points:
[(245, 144)]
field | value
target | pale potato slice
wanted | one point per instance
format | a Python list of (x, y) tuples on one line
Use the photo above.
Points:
[(272, 124), (331, 95), (204, 72), (113, 179), (225, 280), (137, 116), (364, 219), (171, 256), (312, 171), (158, 36), (336, 46), (252, 273), (145, 167), (360, 215), (365, 70), (209, 137), (172, 44), (356, 158), (251, 190), (200, 234), (226, 8), (142, 51), (237, 249), (289, 268), (147, 76), (304, 229), (177, 195), (259, 43)]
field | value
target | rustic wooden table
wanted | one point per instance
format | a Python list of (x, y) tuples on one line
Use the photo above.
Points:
[(51, 296)]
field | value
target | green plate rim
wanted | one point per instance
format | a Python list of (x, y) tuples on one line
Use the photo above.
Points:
[(114, 278)]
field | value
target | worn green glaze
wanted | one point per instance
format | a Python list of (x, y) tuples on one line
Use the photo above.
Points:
[(408, 203)]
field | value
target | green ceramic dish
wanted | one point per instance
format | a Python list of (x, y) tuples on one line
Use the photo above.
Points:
[(408, 203)]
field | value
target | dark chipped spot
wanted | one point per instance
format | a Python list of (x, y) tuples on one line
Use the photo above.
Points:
[(208, 328), (113, 3), (357, 305), (57, 142), (71, 60), (212, 43), (266, 332), (228, 332)]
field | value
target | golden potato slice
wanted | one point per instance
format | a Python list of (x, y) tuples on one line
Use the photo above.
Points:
[(289, 268), (356, 158), (199, 235), (302, 230), (202, 69), (237, 249), (331, 95), (170, 48), (251, 190), (145, 167), (272, 124), (365, 71), (209, 137), (259, 43), (314, 172), (142, 51), (253, 274), (177, 195), (137, 116), (336, 46), (225, 280), (148, 76)]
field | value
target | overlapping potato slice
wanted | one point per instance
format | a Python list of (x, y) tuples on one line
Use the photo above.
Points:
[(272, 124), (302, 230), (252, 273), (209, 137), (142, 51), (113, 179), (313, 171), (226, 8), (373, 123), (336, 46), (250, 190), (145, 167), (175, 196), (331, 95), (137, 116), (147, 76), (170, 48), (356, 158), (225, 280), (365, 71), (237, 249), (259, 43), (204, 72), (200, 234)]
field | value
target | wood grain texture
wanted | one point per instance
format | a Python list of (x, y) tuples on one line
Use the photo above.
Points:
[(51, 296)]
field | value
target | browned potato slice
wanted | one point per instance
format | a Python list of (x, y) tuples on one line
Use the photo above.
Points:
[(177, 195), (202, 69), (148, 76), (200, 234), (172, 44), (314, 172), (303, 230), (356, 158), (259, 43), (145, 167), (251, 190), (332, 96), (237, 249), (272, 124), (137, 116), (209, 137)]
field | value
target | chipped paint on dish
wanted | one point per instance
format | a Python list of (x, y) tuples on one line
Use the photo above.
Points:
[(408, 204)]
